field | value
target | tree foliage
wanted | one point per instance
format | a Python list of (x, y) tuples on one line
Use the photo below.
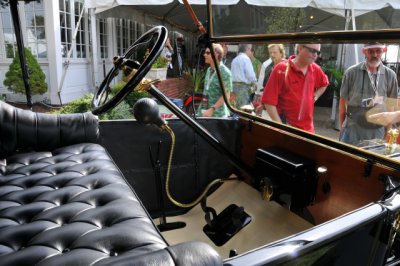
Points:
[(285, 20), (37, 78)]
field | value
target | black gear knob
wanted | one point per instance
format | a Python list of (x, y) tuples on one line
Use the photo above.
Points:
[(146, 111)]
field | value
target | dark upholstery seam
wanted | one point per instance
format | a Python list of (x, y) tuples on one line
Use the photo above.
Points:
[(59, 130), (84, 126), (36, 131), (170, 253), (15, 119), (145, 245)]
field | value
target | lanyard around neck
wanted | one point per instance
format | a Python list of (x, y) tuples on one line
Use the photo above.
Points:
[(375, 84), (210, 78)]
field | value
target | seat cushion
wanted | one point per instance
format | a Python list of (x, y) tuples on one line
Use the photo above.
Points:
[(68, 207)]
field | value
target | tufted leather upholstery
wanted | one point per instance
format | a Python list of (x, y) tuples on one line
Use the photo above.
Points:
[(72, 206), (22, 130)]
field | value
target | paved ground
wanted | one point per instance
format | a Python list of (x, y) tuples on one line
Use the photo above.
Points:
[(323, 122)]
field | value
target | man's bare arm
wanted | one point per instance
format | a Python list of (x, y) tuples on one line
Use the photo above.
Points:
[(342, 111), (318, 92), (273, 112)]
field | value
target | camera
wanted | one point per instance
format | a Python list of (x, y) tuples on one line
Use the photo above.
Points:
[(367, 103)]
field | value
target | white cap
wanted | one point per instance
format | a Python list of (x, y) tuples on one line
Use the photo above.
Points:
[(374, 45)]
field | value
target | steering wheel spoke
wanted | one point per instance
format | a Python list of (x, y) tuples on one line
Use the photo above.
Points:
[(151, 44)]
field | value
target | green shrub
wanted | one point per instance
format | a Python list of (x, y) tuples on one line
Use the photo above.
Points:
[(37, 78), (121, 111), (79, 105), (132, 97), (82, 105), (335, 76)]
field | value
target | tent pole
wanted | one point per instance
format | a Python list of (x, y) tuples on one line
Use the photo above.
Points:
[(67, 60), (353, 20), (343, 51), (93, 36)]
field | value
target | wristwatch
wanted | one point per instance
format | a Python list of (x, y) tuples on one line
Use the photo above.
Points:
[(213, 107)]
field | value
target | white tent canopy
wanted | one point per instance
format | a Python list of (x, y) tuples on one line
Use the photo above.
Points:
[(113, 3), (175, 12), (337, 7)]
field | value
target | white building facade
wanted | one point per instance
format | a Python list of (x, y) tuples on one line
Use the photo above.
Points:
[(74, 65)]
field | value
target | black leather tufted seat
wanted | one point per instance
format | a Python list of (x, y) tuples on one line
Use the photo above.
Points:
[(63, 201)]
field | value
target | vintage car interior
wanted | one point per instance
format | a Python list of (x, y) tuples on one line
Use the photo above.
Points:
[(190, 190)]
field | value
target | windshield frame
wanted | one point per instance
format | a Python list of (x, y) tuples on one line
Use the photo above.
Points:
[(334, 37)]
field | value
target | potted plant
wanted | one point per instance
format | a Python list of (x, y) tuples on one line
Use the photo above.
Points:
[(158, 69), (335, 76)]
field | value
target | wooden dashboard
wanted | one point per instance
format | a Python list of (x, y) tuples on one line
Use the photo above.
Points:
[(350, 189)]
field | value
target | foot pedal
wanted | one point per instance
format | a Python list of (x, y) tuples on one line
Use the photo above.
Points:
[(226, 224)]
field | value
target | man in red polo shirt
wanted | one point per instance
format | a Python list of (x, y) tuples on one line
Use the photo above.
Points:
[(294, 86)]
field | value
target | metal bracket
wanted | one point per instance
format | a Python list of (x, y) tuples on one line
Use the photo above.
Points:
[(368, 167), (250, 125)]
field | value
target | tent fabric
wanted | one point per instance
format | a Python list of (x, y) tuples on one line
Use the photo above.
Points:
[(173, 11), (113, 3), (337, 7), (213, 2), (321, 4), (331, 4)]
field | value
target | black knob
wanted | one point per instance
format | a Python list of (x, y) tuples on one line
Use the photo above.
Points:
[(146, 111)]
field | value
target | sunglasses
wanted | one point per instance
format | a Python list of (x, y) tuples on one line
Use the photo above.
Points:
[(207, 52), (312, 50)]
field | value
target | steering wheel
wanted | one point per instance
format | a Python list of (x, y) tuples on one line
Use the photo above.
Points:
[(155, 39)]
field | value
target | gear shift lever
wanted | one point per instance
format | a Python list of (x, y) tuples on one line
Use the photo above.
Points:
[(146, 111)]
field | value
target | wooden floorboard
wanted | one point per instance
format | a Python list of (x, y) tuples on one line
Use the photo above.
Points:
[(270, 221)]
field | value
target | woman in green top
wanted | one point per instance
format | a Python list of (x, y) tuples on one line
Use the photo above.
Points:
[(255, 62), (213, 104)]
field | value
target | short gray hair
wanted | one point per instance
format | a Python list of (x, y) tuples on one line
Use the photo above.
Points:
[(244, 47)]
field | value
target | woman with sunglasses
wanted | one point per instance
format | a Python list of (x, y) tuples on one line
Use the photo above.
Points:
[(213, 104), (294, 86)]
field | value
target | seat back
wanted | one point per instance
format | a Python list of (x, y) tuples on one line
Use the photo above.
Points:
[(24, 130)]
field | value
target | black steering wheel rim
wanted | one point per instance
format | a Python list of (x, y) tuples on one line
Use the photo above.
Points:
[(99, 107)]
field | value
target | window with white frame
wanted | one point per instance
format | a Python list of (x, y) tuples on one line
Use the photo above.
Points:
[(69, 16), (139, 29), (33, 25), (35, 28), (103, 38), (10, 43), (132, 30), (65, 26), (80, 36), (127, 33), (122, 35)]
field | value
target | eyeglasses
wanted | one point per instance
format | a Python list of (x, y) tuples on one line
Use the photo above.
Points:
[(207, 52), (375, 51), (312, 50)]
